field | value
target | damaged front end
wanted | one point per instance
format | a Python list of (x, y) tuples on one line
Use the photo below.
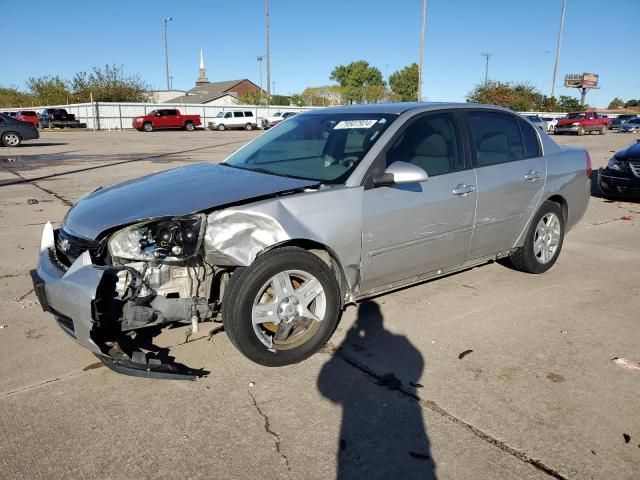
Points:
[(146, 275)]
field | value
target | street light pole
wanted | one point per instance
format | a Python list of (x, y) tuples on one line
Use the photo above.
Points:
[(555, 66), (420, 73), (166, 20), (486, 66), (268, 56)]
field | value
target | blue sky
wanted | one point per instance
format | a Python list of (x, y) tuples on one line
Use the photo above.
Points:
[(309, 38)]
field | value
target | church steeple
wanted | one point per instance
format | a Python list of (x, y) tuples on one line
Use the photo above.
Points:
[(202, 72)]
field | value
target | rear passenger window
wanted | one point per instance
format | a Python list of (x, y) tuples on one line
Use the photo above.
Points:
[(430, 142), (496, 137), (529, 140), (248, 114), (237, 114)]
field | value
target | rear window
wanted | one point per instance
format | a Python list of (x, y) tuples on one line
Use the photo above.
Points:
[(29, 113), (496, 137), (248, 114)]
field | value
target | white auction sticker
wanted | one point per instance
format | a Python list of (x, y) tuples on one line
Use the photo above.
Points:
[(355, 124)]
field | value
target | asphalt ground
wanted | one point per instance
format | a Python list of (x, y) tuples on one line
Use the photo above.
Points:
[(391, 396)]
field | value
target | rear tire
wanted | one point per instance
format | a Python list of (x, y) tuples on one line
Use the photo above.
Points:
[(248, 127), (189, 127), (545, 235), (244, 296), (11, 139)]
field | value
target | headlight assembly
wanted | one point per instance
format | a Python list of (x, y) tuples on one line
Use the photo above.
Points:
[(171, 239), (615, 164)]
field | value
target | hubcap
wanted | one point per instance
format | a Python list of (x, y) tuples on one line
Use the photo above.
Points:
[(11, 139), (546, 238), (287, 309)]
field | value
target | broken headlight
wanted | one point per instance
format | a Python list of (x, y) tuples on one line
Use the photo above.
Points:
[(172, 239)]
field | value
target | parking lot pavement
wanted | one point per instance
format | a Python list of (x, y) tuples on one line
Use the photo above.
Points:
[(536, 394)]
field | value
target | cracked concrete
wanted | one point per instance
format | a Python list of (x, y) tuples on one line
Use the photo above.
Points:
[(267, 428)]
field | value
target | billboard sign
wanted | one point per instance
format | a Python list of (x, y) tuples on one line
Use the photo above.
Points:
[(581, 80)]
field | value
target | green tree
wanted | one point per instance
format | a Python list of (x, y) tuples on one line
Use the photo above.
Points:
[(404, 83), (279, 100), (570, 104), (297, 99), (253, 97), (323, 96), (632, 103), (355, 78), (616, 103), (518, 96), (12, 97), (109, 84), (49, 90)]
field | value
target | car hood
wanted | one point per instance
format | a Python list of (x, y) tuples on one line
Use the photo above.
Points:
[(632, 152), (175, 192)]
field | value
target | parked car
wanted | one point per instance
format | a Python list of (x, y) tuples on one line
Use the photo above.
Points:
[(14, 131), (551, 123), (615, 122), (234, 119), (58, 118), (537, 121), (275, 119), (630, 126), (332, 207), (581, 123), (27, 116), (166, 118), (621, 176)]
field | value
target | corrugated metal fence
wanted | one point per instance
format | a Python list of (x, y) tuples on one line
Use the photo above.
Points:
[(118, 116)]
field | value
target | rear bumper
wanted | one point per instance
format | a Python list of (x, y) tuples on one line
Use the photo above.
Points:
[(618, 184), (30, 134)]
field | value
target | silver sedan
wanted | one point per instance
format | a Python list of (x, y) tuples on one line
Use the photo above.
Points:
[(324, 210)]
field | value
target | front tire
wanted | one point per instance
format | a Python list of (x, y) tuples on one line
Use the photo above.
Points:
[(580, 131), (283, 308), (543, 242), (147, 127), (221, 127), (11, 139)]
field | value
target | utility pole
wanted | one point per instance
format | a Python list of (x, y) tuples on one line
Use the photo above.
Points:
[(268, 57), (420, 73), (555, 66), (166, 20), (486, 66), (273, 87)]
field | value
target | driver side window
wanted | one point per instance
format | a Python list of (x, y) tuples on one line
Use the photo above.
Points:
[(431, 142)]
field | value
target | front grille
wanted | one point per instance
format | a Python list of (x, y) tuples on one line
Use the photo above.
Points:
[(69, 247), (635, 168)]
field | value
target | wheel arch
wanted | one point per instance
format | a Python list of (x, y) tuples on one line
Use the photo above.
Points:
[(560, 200)]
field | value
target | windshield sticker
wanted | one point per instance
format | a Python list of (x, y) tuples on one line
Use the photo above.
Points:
[(355, 124)]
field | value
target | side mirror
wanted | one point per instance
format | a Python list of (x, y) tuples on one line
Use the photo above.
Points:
[(401, 173)]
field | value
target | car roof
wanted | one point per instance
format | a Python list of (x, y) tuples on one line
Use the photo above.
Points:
[(399, 108)]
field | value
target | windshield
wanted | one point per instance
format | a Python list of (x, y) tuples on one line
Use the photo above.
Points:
[(324, 147), (533, 118), (220, 115), (575, 115)]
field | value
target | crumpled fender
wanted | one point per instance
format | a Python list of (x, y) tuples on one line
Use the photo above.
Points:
[(331, 217)]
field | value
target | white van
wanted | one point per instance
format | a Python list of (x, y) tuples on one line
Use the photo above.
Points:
[(234, 119)]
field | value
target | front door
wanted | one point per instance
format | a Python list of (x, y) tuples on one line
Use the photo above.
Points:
[(412, 229), (511, 173)]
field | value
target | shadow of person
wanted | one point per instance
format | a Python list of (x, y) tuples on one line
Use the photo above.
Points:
[(382, 435)]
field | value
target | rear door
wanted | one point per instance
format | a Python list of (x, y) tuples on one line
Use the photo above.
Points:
[(412, 229), (510, 172), (172, 119), (238, 119)]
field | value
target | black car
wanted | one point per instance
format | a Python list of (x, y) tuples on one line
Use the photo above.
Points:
[(13, 132), (615, 122), (621, 177), (58, 118)]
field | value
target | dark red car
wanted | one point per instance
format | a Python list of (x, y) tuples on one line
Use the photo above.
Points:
[(166, 118)]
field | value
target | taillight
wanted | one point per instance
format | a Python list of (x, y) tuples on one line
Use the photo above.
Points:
[(588, 164)]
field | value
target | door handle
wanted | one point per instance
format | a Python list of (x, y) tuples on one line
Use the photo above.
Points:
[(463, 189), (532, 175)]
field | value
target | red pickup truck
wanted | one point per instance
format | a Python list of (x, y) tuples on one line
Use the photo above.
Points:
[(581, 123), (166, 118)]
